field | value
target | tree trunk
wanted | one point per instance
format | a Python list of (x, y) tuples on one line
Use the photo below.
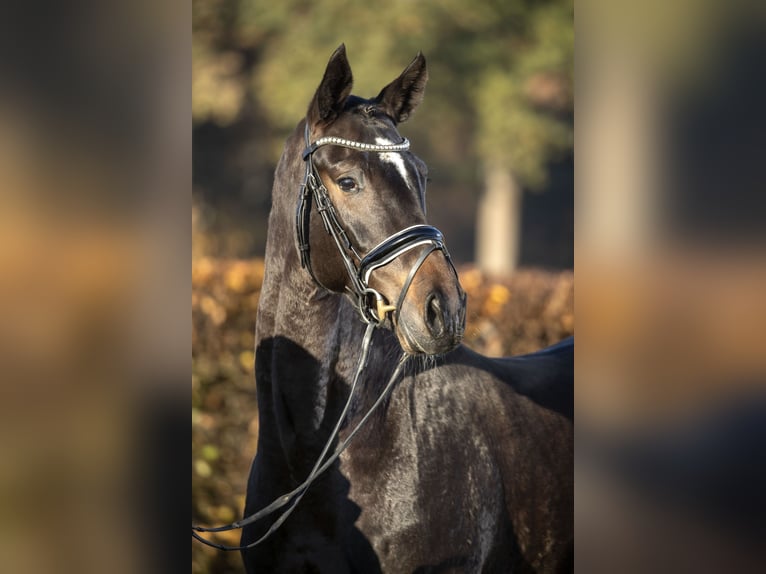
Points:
[(498, 226)]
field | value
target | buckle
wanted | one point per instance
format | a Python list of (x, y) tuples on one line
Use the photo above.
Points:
[(377, 313)]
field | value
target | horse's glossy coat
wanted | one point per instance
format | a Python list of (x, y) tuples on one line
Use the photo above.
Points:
[(467, 467)]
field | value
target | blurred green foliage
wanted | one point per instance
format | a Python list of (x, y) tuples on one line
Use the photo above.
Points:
[(502, 69), (500, 94)]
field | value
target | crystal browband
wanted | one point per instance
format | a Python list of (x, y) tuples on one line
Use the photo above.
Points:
[(404, 145)]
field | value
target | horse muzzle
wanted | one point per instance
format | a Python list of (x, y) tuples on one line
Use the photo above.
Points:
[(432, 318), (424, 296)]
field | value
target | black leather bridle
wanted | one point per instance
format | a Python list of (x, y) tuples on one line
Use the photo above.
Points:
[(370, 303)]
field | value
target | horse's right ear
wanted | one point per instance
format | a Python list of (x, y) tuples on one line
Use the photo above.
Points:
[(331, 94)]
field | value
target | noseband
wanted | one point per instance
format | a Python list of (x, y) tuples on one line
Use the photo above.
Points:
[(370, 303)]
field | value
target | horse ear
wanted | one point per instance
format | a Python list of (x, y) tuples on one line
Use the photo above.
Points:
[(331, 94), (400, 98)]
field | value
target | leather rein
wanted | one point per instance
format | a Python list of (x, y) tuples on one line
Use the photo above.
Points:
[(371, 305)]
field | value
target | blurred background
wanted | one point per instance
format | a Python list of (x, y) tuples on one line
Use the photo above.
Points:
[(95, 173), (671, 276)]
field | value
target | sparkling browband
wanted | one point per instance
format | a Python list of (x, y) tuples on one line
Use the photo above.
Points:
[(403, 146)]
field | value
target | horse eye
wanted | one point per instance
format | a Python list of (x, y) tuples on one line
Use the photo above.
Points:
[(347, 184)]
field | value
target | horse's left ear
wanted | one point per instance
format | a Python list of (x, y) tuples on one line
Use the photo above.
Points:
[(400, 98)]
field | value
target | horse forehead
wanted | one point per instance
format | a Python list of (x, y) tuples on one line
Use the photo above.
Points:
[(381, 135), (397, 160)]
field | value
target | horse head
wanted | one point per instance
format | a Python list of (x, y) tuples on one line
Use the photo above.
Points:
[(364, 230)]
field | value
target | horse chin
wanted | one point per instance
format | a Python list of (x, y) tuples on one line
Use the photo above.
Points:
[(430, 324), (415, 342)]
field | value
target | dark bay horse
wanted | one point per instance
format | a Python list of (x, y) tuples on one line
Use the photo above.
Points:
[(467, 465)]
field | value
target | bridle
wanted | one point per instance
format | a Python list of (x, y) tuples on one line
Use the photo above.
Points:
[(395, 245), (370, 303)]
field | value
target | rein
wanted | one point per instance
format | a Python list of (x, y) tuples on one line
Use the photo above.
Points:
[(320, 466), (385, 252)]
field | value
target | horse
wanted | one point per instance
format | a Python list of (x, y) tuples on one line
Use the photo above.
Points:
[(467, 466)]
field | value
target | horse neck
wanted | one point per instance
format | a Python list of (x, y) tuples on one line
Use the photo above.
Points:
[(306, 339)]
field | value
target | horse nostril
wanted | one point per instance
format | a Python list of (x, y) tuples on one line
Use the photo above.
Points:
[(435, 315)]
